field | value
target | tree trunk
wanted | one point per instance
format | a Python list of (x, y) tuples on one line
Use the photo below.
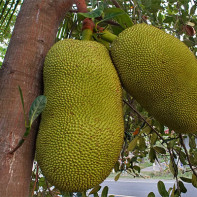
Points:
[(33, 35)]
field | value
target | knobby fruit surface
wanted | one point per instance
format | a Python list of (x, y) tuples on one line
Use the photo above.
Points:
[(160, 72), (81, 130)]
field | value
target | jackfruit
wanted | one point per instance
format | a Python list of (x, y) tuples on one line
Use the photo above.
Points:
[(81, 130), (160, 72)]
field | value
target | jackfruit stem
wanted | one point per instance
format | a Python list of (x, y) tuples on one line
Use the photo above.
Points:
[(87, 34), (81, 6), (108, 36), (87, 29)]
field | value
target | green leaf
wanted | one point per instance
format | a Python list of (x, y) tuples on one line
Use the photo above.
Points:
[(116, 166), (151, 194), (105, 191), (133, 144), (96, 195), (137, 168), (112, 15), (141, 143), (95, 189), (146, 130), (93, 14), (116, 29), (195, 158), (42, 182), (153, 138), (152, 155), (168, 19), (162, 189), (192, 142), (123, 19), (171, 143), (185, 179), (191, 157), (173, 191), (194, 180), (182, 187), (152, 5), (117, 176), (182, 157), (37, 107), (93, 3), (160, 17), (160, 149), (173, 167)]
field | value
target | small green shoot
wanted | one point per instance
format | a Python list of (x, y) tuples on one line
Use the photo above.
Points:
[(22, 101), (36, 108)]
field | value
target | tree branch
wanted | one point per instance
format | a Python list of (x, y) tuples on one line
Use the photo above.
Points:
[(116, 3), (144, 120), (187, 155)]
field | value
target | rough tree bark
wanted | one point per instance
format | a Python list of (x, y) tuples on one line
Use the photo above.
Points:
[(33, 35)]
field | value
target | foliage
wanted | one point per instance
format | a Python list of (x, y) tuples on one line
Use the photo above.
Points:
[(8, 12), (144, 136), (2, 54)]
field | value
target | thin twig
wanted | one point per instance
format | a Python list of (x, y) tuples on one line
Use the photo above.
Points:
[(144, 120), (116, 3), (36, 180), (17, 146), (187, 155), (21, 141), (50, 192), (175, 170)]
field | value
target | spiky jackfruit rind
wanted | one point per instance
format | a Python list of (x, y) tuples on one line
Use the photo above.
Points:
[(81, 131), (160, 72)]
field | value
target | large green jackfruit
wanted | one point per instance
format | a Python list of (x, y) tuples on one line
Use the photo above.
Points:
[(160, 72), (81, 130)]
